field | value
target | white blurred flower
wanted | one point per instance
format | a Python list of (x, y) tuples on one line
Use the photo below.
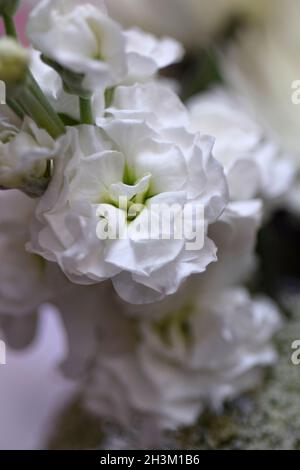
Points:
[(254, 164), (25, 278), (193, 22), (144, 102), (90, 315), (145, 164), (7, 115), (52, 85), (262, 66), (203, 353), (81, 38), (102, 319), (145, 56), (24, 152), (235, 234)]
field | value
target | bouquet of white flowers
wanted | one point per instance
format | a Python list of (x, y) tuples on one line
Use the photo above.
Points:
[(118, 207)]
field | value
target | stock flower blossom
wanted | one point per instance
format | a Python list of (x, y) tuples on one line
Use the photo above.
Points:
[(263, 66), (89, 314), (80, 38), (268, 80), (24, 152), (52, 86), (235, 235), (145, 56), (27, 281), (204, 353), (23, 275), (148, 166), (96, 47), (140, 228), (254, 164)]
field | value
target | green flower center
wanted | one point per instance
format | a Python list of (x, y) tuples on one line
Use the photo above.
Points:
[(180, 321), (129, 195)]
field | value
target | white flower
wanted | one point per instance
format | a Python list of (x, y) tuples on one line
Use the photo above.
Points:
[(146, 165), (254, 164), (24, 153), (144, 101), (235, 235), (8, 115), (24, 277), (91, 317), (80, 38), (193, 22), (52, 86), (146, 55), (204, 353), (239, 143), (262, 67), (83, 39)]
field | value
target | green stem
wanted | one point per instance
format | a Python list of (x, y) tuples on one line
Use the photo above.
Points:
[(10, 27), (40, 96), (86, 112), (109, 96), (33, 108), (15, 107), (40, 104)]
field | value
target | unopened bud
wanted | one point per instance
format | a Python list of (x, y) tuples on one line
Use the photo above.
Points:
[(72, 81), (9, 7), (14, 61)]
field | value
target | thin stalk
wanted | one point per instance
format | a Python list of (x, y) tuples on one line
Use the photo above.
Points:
[(86, 112), (41, 98), (51, 117), (10, 27), (33, 108), (15, 108)]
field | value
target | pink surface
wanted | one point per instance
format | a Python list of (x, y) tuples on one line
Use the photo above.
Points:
[(21, 18)]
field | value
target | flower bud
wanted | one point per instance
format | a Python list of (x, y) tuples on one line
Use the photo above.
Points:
[(14, 60), (9, 7), (72, 81), (24, 157)]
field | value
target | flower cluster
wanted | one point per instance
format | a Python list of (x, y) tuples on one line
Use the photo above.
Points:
[(254, 163), (205, 352), (93, 139)]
